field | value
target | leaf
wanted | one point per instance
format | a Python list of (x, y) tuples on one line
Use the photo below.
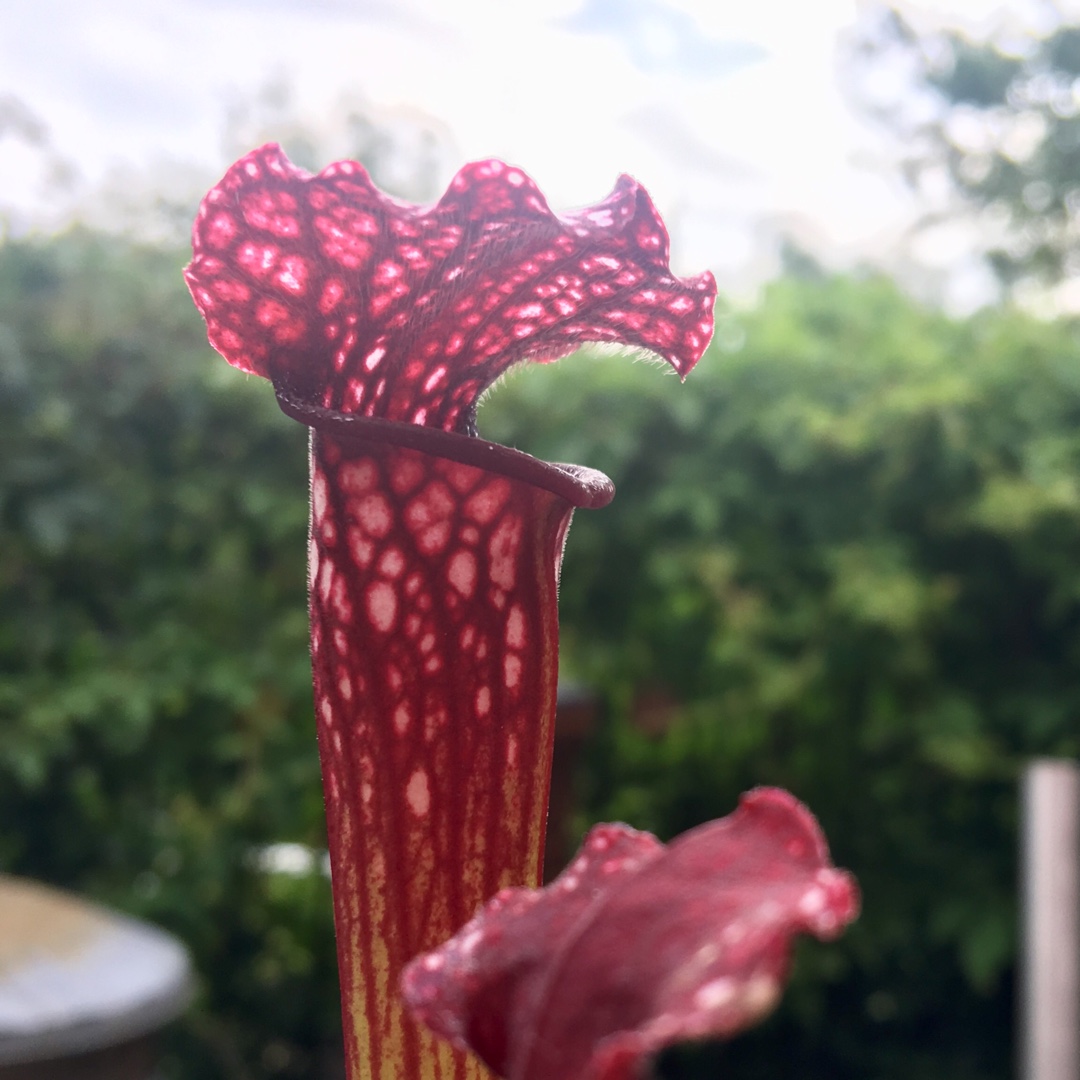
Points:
[(636, 945), (353, 301)]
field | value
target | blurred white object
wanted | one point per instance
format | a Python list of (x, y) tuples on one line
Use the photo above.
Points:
[(291, 859)]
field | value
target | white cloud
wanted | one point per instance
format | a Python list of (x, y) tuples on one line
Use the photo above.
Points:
[(138, 80)]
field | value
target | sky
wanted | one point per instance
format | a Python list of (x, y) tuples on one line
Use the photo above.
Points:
[(731, 113)]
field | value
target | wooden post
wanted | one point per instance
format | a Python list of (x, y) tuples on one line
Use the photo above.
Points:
[(1050, 994)]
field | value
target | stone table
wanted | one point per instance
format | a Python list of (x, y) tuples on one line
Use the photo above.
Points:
[(83, 990)]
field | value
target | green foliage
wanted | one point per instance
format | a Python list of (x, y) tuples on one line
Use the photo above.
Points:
[(155, 703), (999, 120), (845, 556), (842, 559)]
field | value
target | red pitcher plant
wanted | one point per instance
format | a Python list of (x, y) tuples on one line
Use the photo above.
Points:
[(433, 566)]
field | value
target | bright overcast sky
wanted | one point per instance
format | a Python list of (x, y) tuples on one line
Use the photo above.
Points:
[(729, 112)]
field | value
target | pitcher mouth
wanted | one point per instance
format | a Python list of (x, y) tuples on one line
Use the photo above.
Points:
[(582, 487)]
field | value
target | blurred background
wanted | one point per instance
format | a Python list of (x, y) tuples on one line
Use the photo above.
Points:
[(842, 559)]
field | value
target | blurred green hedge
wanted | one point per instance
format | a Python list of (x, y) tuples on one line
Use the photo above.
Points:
[(842, 558), (845, 557), (155, 702)]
